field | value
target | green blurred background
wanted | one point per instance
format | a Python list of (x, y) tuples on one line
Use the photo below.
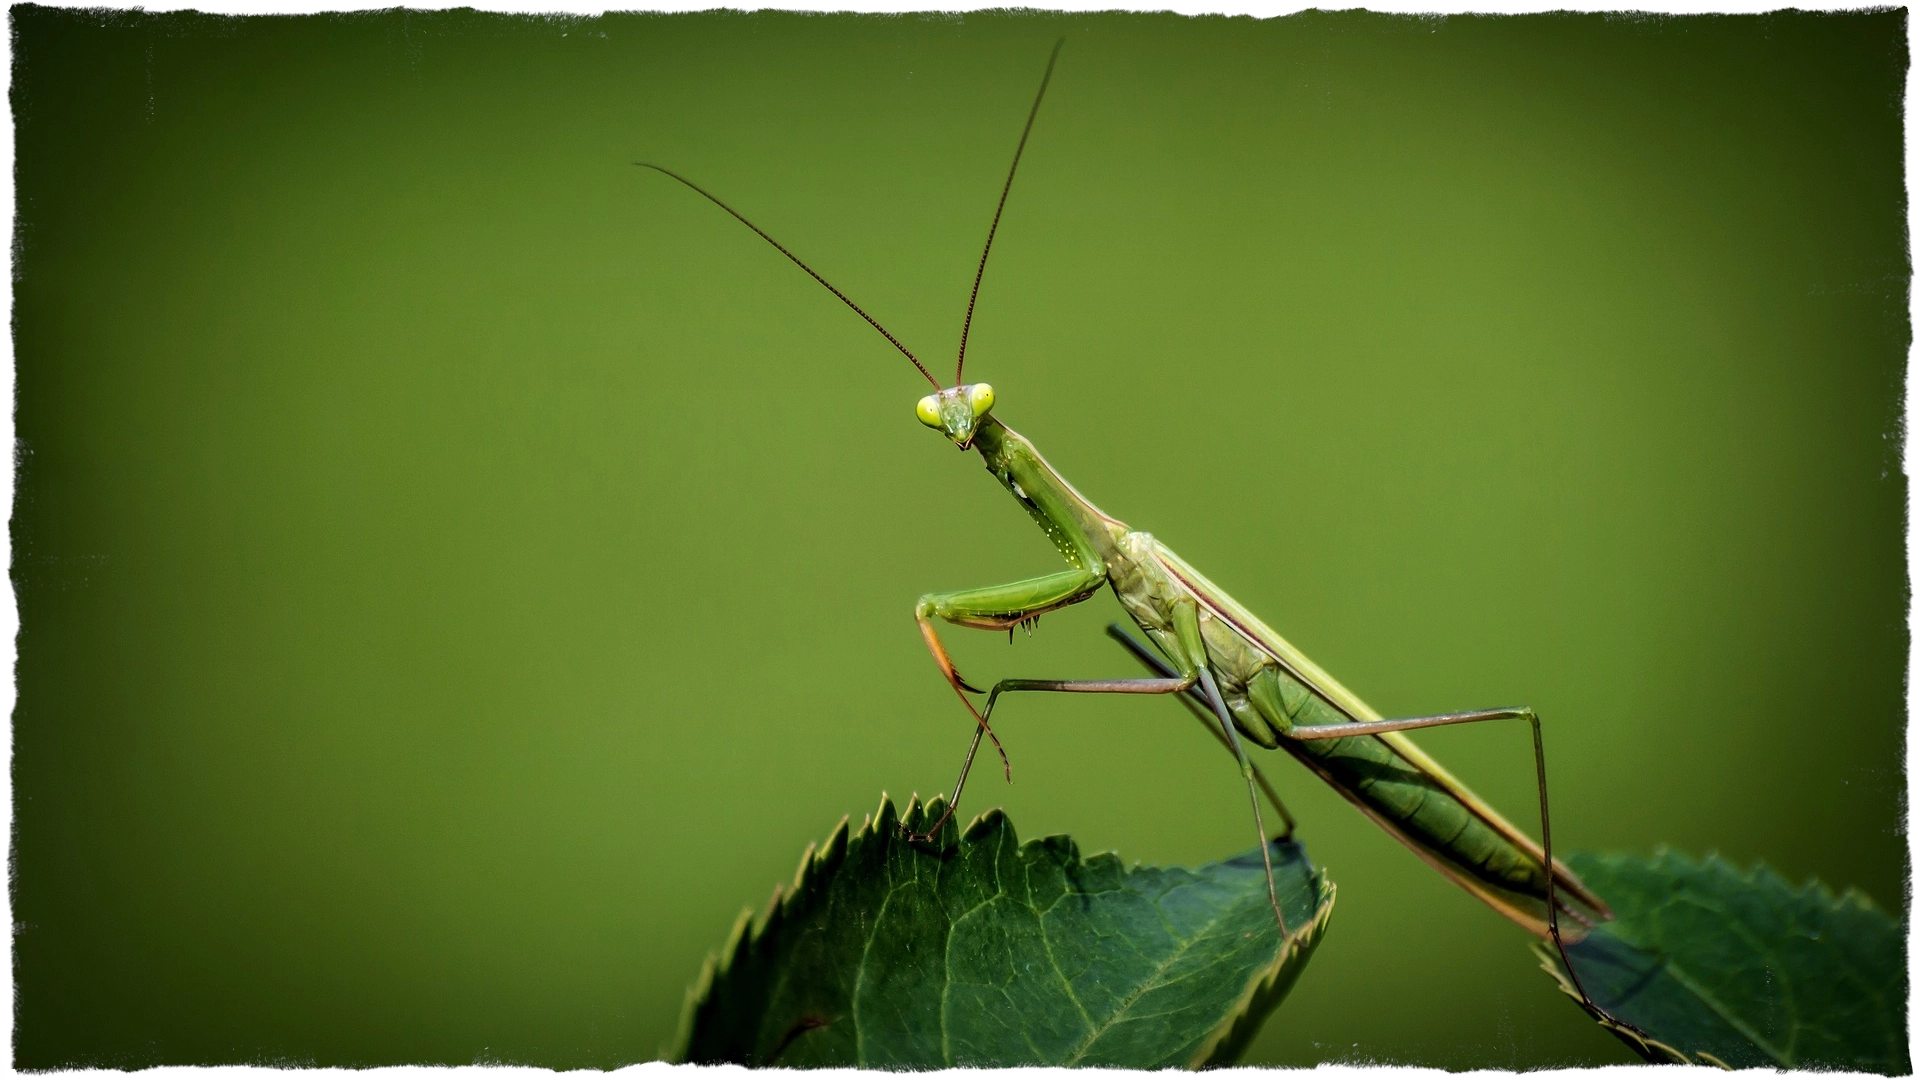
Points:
[(459, 570)]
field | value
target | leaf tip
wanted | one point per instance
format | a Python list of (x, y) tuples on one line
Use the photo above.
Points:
[(1269, 986), (834, 851), (886, 817)]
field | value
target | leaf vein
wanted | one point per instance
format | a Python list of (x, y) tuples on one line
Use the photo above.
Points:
[(1147, 984), (1046, 942), (1745, 1029), (860, 972)]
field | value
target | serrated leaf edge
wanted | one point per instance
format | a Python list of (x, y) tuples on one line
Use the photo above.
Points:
[(1653, 1050), (1759, 874), (817, 864), (1229, 1040)]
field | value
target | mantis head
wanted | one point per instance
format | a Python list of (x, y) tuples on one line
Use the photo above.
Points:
[(956, 411)]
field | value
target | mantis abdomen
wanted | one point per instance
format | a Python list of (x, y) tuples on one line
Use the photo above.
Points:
[(1278, 697), (1395, 788)]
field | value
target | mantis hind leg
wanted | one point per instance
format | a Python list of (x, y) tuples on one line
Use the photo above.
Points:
[(1371, 727)]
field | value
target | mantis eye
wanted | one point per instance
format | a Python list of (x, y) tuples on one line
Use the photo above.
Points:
[(980, 396), (928, 411)]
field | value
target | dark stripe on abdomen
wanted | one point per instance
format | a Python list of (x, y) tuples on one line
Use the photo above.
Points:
[(1391, 785)]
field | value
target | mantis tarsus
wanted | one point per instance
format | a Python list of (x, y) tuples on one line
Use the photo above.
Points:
[(1242, 679)]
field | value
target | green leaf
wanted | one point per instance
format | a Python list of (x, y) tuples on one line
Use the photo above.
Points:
[(981, 950), (1716, 967)]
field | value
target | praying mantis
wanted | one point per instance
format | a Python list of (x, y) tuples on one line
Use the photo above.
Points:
[(1241, 678)]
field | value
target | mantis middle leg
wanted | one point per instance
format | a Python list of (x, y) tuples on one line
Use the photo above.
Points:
[(1195, 699), (1194, 674)]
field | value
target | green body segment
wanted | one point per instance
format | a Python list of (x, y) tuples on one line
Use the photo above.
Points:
[(1390, 784), (1268, 686)]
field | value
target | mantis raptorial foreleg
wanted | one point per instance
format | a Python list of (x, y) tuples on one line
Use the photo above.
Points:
[(996, 607)]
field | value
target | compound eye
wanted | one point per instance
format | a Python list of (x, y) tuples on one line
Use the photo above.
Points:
[(928, 411), (980, 396)]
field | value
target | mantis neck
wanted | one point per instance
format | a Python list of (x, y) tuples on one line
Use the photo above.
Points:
[(1084, 535)]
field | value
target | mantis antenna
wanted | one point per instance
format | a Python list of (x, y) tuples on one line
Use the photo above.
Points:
[(966, 326), (711, 197)]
